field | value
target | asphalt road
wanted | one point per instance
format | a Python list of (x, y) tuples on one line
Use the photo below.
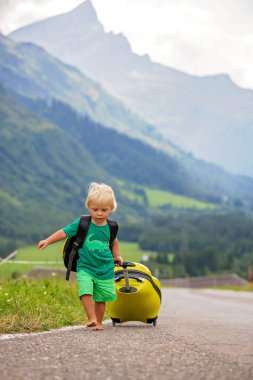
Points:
[(200, 334)]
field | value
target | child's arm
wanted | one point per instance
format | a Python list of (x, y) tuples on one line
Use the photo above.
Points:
[(116, 252), (57, 236)]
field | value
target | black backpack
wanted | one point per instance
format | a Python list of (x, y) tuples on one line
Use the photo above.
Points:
[(70, 249)]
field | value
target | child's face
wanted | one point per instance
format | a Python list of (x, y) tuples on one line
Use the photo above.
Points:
[(99, 213)]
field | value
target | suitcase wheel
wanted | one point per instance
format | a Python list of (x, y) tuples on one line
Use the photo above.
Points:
[(152, 320), (114, 321)]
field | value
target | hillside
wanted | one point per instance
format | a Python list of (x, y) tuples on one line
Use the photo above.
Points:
[(208, 116), (120, 155), (39, 189), (30, 73), (48, 158), (136, 162)]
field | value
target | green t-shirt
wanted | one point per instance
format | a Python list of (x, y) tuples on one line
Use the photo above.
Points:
[(95, 256)]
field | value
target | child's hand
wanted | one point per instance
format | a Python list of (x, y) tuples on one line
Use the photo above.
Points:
[(57, 236), (42, 244), (118, 261)]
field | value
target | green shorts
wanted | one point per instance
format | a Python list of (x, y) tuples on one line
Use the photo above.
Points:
[(101, 290)]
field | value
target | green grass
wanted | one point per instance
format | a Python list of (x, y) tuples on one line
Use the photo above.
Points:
[(131, 251), (51, 253), (244, 288), (158, 198), (132, 196), (52, 258), (39, 305)]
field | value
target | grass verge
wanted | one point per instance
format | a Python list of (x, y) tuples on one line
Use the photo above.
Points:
[(244, 288), (39, 305)]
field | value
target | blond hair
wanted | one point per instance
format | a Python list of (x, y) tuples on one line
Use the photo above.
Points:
[(102, 195)]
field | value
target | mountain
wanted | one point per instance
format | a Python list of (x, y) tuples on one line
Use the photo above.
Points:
[(38, 186), (139, 163), (31, 75), (45, 171), (121, 156), (21, 68), (49, 152), (49, 156), (208, 116)]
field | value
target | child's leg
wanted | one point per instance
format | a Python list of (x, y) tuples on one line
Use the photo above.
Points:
[(89, 307), (85, 292), (104, 291), (99, 311)]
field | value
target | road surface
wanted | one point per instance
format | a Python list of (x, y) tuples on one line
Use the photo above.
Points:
[(200, 334)]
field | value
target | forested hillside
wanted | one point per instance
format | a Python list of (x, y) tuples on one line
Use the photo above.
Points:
[(196, 244), (29, 72), (132, 160), (122, 156), (47, 165), (39, 188)]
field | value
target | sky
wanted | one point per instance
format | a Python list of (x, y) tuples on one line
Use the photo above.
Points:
[(199, 37)]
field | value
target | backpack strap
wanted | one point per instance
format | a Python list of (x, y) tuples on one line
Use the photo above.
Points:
[(82, 231), (84, 224), (113, 231)]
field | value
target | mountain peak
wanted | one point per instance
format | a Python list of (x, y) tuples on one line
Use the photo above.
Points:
[(85, 5), (83, 15), (85, 9)]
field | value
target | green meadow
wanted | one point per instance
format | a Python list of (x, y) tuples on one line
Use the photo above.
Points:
[(30, 257), (160, 198), (157, 198)]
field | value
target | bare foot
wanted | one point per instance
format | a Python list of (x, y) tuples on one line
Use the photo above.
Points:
[(98, 327), (91, 324)]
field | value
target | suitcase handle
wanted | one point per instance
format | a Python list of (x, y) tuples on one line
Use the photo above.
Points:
[(128, 264), (125, 264)]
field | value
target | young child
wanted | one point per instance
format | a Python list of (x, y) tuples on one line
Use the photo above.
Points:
[(95, 268)]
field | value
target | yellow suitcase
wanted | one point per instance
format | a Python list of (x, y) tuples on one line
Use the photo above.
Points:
[(138, 295)]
